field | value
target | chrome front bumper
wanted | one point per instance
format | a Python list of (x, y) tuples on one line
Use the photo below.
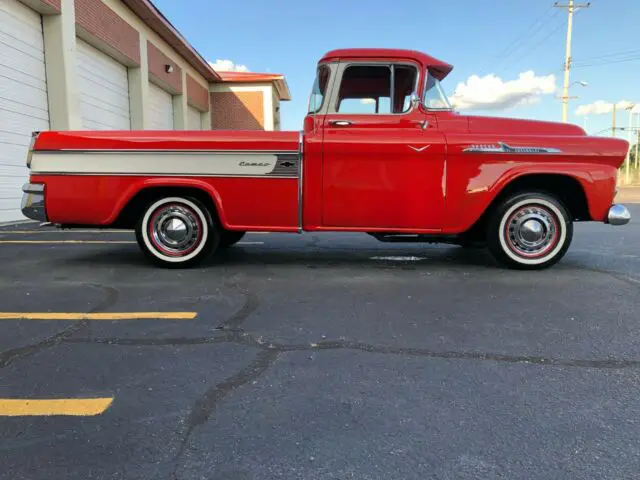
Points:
[(33, 202), (618, 215)]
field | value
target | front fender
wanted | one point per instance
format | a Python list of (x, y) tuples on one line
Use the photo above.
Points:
[(470, 193)]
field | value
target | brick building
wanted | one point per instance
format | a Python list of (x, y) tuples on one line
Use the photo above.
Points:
[(111, 65)]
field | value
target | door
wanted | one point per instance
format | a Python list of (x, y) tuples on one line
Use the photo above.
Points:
[(194, 118), (104, 90), (383, 165), (160, 108), (23, 99)]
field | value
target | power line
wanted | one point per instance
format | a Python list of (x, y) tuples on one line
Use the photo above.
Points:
[(506, 52), (627, 60), (519, 45), (609, 55)]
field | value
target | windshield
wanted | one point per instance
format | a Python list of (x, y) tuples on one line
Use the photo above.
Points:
[(434, 96), (319, 89)]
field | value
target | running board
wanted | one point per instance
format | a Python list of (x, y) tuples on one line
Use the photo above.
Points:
[(414, 238)]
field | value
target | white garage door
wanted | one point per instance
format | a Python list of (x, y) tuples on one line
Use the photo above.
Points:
[(23, 99), (104, 90), (160, 108), (194, 119)]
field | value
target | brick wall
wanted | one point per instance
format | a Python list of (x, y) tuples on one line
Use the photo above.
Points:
[(157, 61), (237, 111), (98, 20), (197, 95)]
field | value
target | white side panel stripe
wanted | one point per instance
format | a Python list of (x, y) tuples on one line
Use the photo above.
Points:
[(152, 164)]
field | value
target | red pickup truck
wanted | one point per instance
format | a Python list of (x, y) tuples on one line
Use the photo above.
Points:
[(381, 152)]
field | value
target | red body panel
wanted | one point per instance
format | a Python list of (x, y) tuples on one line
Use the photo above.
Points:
[(241, 204), (373, 176), (170, 140)]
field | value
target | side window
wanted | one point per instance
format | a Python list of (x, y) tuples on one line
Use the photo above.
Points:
[(363, 87), (366, 89), (319, 89)]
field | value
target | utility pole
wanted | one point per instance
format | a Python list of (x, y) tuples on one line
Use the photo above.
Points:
[(637, 142), (571, 6), (613, 122)]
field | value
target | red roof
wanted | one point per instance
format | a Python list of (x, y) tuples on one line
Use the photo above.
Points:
[(441, 69), (253, 77)]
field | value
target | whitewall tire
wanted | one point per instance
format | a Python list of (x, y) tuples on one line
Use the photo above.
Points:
[(529, 231), (177, 232)]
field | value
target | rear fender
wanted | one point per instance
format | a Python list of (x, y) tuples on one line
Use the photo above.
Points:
[(144, 184)]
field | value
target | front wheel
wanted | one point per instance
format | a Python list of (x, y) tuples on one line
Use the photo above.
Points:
[(177, 232), (529, 231)]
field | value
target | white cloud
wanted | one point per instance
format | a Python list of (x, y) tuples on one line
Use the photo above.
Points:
[(492, 93), (227, 66), (366, 101), (601, 107)]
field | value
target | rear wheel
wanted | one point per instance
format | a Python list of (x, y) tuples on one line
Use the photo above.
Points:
[(230, 237), (177, 232), (529, 231)]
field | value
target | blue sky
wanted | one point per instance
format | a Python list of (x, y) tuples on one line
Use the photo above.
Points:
[(476, 36)]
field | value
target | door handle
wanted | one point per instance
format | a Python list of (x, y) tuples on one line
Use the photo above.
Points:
[(341, 123)]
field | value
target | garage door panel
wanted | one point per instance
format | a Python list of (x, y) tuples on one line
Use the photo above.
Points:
[(14, 166), (160, 108), (29, 52), (194, 118), (11, 184), (104, 87), (23, 99), (31, 79), (21, 23), (8, 210)]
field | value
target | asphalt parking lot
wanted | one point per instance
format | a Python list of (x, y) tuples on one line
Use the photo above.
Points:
[(317, 357)]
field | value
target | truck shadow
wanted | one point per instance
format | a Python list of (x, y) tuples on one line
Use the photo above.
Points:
[(391, 258)]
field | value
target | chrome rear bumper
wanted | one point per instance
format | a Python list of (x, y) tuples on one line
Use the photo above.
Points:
[(618, 215), (33, 202)]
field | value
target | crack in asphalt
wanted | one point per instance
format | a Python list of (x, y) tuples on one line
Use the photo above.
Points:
[(206, 404), (9, 356), (241, 338)]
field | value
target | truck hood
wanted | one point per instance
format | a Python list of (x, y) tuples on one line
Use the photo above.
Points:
[(513, 126)]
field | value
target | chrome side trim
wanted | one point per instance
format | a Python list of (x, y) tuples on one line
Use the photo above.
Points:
[(143, 174), (168, 152), (501, 147), (300, 178), (618, 214)]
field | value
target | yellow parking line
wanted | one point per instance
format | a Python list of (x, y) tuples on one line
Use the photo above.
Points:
[(27, 232), (84, 407), (98, 316), (55, 242)]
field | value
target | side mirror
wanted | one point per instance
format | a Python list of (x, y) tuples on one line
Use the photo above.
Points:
[(414, 100)]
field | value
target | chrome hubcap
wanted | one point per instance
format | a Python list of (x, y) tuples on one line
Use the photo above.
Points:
[(531, 231), (175, 229)]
